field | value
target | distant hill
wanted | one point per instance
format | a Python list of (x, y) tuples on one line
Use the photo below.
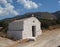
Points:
[(46, 19), (57, 14), (39, 15), (42, 15)]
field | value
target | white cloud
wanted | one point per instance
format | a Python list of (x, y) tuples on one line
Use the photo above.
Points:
[(3, 1), (59, 2), (11, 1), (8, 9), (40, 4), (28, 4)]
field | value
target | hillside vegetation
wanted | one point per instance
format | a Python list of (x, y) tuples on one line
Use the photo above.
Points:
[(46, 19)]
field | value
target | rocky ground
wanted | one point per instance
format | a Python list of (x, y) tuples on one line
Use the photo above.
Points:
[(49, 38), (4, 42)]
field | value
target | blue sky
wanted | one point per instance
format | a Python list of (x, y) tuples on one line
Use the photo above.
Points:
[(10, 8)]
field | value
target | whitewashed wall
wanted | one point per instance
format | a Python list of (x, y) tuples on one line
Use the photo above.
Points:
[(16, 25), (14, 34), (27, 33), (22, 29), (15, 29)]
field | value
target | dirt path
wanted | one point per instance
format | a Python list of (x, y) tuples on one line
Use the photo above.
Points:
[(47, 39), (4, 42)]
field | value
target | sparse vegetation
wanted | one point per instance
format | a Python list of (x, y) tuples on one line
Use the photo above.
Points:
[(47, 23), (4, 24), (47, 20)]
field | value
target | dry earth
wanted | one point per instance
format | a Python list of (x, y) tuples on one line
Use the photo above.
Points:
[(49, 38), (4, 42)]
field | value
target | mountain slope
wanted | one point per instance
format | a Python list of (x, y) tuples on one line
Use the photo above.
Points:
[(57, 14), (39, 15)]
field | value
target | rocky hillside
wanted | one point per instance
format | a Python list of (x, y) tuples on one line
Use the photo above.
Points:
[(39, 15), (57, 14), (47, 19)]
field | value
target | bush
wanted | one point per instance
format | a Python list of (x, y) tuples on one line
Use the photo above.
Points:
[(4, 24), (46, 23)]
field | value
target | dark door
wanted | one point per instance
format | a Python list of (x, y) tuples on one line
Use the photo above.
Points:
[(33, 31)]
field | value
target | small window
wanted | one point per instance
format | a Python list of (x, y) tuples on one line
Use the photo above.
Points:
[(33, 21)]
